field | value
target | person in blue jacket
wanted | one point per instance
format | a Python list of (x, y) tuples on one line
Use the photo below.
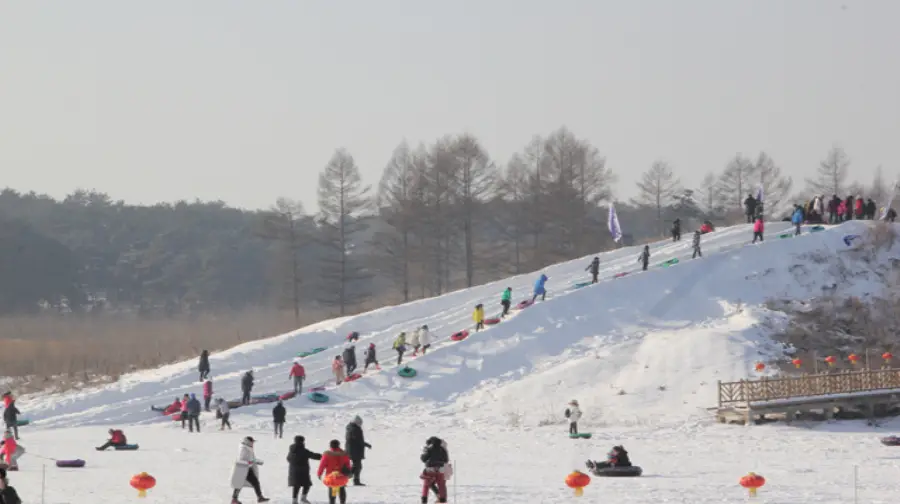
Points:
[(797, 219), (539, 289)]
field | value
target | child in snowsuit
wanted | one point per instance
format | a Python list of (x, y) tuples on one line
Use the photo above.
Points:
[(425, 339), (696, 245), (370, 357), (333, 460), (573, 413), (400, 347), (224, 412), (758, 228), (478, 317), (505, 301), (797, 219), (337, 367), (644, 258), (279, 414), (594, 268), (539, 289), (350, 359), (11, 417), (207, 394), (676, 230), (297, 374), (437, 469), (116, 438)]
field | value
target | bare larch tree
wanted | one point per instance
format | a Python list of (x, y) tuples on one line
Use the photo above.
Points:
[(658, 188), (831, 176)]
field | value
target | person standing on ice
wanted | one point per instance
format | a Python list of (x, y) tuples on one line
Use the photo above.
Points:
[(207, 393), (594, 268), (370, 357), (335, 460), (337, 367), (246, 387), (193, 412), (758, 228), (356, 445), (224, 413), (425, 339), (298, 458), (414, 341), (696, 245), (437, 469), (184, 410), (279, 415), (203, 367), (297, 374), (505, 301), (400, 347), (676, 230), (797, 219), (350, 359), (644, 258), (540, 289), (246, 472), (573, 413), (478, 317)]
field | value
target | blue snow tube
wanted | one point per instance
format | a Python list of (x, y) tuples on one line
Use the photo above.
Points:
[(318, 397)]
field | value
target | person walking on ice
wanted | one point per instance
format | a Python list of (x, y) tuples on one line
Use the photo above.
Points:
[(478, 317), (573, 413), (279, 415), (644, 258), (246, 472), (505, 301), (297, 374), (400, 347), (696, 245), (540, 289), (594, 268)]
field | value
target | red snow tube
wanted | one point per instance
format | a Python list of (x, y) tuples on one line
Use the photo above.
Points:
[(491, 321), (353, 377), (461, 335), (316, 389), (620, 275), (525, 304), (287, 395)]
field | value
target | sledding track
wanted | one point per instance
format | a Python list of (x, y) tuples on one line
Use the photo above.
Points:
[(511, 349)]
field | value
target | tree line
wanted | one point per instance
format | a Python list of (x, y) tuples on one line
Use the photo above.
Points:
[(443, 216)]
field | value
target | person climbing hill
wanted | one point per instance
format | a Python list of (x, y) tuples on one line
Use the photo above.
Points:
[(246, 387), (414, 341), (506, 301), (573, 413), (758, 228), (207, 393), (478, 317), (594, 268), (11, 450), (337, 367), (297, 374), (299, 478), (644, 258), (116, 438), (540, 288), (400, 347), (279, 415), (696, 245), (335, 460), (425, 339), (371, 357), (203, 366), (350, 359)]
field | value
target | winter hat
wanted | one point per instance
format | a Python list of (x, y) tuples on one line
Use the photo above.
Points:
[(249, 439), (357, 420), (193, 396), (371, 345), (334, 444), (299, 440)]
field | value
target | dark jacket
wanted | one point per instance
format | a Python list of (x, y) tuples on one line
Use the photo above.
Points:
[(204, 361), (279, 413), (750, 205), (247, 382), (11, 414), (350, 356), (696, 243), (435, 455), (618, 457), (355, 442), (594, 267), (644, 258), (370, 355), (193, 406), (9, 496), (298, 463), (676, 226)]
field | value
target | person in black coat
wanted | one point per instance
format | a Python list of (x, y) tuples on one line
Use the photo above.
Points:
[(350, 359), (298, 468), (278, 416), (750, 207), (11, 418), (435, 457), (8, 494), (676, 230), (356, 445), (644, 258), (246, 386), (594, 268), (203, 367)]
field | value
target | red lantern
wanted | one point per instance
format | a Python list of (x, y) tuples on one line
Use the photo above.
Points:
[(760, 366), (142, 482), (797, 363), (830, 360), (578, 480), (887, 357), (751, 482), (335, 481), (853, 358)]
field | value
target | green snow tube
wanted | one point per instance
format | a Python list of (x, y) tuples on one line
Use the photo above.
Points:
[(666, 264), (786, 235), (407, 372), (817, 228), (22, 422), (581, 435), (311, 352), (317, 397)]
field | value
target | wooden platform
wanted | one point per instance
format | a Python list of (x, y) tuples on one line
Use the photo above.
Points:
[(844, 394)]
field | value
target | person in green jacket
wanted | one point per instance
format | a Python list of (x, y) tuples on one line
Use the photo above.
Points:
[(400, 347), (505, 300)]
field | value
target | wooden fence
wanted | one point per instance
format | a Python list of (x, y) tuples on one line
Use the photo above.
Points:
[(745, 392)]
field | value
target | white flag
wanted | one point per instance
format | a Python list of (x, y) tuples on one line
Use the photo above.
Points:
[(614, 228)]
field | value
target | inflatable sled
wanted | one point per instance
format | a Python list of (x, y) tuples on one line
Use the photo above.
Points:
[(630, 471), (311, 352), (620, 275), (666, 264), (287, 395), (816, 228), (159, 409), (317, 397), (70, 463), (492, 321), (234, 403), (582, 284), (891, 441), (22, 422), (316, 389), (126, 447), (407, 372), (353, 377), (461, 335), (581, 435), (785, 235), (524, 304), (263, 399)]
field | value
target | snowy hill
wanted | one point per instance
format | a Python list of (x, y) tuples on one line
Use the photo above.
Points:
[(644, 348)]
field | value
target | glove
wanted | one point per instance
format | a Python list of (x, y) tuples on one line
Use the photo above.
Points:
[(259, 462), (368, 446)]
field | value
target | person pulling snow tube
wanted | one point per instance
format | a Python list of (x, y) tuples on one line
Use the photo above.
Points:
[(407, 372), (70, 463), (317, 397), (891, 441)]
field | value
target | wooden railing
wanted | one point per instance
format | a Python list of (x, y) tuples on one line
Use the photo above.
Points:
[(823, 384)]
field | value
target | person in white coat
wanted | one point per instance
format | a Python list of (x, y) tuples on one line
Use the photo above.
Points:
[(415, 342), (424, 338), (573, 413), (246, 472)]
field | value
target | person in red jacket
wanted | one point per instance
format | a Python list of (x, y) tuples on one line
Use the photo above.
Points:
[(859, 207), (298, 374), (173, 408), (207, 393), (10, 451), (116, 438), (758, 228), (184, 410), (333, 460)]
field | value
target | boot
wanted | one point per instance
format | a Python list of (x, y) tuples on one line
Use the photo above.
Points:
[(304, 500), (235, 501), (262, 499)]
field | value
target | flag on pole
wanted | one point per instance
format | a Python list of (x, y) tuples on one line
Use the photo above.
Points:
[(614, 228), (759, 193)]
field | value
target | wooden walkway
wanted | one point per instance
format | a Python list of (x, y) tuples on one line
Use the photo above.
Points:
[(866, 393)]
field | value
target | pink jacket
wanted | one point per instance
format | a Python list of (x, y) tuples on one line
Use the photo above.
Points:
[(207, 388), (758, 226)]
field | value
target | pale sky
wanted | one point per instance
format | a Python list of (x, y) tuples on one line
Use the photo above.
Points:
[(245, 101)]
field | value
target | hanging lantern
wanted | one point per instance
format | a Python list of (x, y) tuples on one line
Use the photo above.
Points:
[(853, 358), (751, 482), (335, 481), (142, 482), (830, 360), (578, 480), (760, 366), (797, 363), (887, 357)]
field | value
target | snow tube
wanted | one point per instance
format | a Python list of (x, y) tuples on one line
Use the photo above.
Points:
[(786, 235), (264, 398), (317, 397), (492, 321), (668, 263), (891, 441), (407, 372), (316, 389), (158, 409), (618, 471), (234, 403), (311, 352), (287, 395), (126, 447), (176, 416), (461, 335), (22, 422), (582, 284), (524, 304), (353, 377), (817, 228), (70, 463), (581, 435), (620, 275)]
